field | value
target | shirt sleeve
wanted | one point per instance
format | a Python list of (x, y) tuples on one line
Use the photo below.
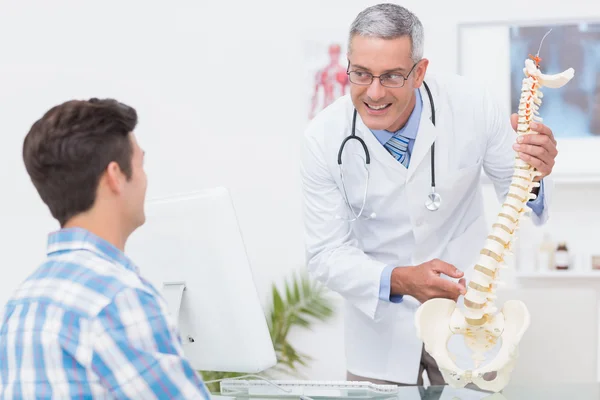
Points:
[(385, 286), (137, 351), (537, 204)]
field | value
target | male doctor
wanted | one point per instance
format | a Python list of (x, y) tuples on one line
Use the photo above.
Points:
[(398, 253)]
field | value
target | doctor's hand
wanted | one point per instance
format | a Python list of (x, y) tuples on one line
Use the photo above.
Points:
[(424, 281), (538, 150)]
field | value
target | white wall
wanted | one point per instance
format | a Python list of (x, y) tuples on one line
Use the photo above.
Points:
[(221, 89)]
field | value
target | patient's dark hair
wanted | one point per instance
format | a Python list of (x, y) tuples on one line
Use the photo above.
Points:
[(68, 149)]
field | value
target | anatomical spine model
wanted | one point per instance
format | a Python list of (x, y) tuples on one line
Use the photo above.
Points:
[(480, 322)]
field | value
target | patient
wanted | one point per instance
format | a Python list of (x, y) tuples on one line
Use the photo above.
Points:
[(85, 323)]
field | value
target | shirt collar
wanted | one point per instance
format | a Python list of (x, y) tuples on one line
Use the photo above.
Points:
[(70, 239), (410, 129)]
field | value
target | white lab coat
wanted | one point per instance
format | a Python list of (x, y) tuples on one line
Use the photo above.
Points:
[(472, 133)]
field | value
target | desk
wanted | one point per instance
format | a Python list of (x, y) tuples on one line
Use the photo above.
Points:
[(582, 391), (517, 392)]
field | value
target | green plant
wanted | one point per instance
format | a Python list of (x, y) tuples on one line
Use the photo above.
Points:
[(301, 303)]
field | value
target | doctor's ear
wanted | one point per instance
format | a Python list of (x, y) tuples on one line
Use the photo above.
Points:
[(420, 71)]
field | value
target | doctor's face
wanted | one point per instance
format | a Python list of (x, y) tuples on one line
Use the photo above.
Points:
[(382, 107)]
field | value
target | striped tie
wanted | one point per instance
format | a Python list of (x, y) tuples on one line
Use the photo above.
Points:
[(398, 147)]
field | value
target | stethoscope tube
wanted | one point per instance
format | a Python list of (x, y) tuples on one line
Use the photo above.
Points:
[(367, 163), (433, 144), (353, 136), (434, 200)]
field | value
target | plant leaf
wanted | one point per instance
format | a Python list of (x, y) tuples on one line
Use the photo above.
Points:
[(304, 303)]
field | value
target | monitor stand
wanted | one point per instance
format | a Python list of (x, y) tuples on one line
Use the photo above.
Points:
[(173, 294)]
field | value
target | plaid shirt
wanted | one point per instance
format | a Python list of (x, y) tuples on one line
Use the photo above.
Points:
[(85, 324)]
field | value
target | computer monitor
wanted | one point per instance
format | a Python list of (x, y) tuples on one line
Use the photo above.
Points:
[(192, 250)]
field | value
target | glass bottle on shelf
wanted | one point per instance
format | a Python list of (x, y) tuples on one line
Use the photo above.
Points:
[(561, 257), (545, 255)]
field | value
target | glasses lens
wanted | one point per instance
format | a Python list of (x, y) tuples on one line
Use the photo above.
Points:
[(360, 78), (393, 81)]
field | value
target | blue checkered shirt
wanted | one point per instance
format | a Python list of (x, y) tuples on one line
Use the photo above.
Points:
[(85, 324)]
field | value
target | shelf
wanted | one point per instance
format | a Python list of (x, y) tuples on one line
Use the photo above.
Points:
[(559, 275), (562, 179), (576, 178)]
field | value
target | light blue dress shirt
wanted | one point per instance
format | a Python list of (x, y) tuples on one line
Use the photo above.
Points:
[(409, 131)]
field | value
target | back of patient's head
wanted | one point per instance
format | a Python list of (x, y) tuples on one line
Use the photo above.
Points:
[(68, 149)]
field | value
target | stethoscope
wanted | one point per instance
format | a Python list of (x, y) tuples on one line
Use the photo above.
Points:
[(433, 201)]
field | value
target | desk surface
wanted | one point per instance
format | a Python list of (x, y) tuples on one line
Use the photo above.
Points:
[(590, 391), (516, 392)]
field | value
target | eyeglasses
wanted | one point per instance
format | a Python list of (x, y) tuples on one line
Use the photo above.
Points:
[(387, 80)]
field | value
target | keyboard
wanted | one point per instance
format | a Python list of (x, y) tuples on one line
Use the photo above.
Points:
[(306, 389)]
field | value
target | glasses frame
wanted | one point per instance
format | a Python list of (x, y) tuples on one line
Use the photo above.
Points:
[(380, 77)]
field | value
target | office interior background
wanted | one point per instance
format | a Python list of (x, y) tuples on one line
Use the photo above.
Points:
[(224, 91)]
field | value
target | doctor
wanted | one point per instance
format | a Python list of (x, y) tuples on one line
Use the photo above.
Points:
[(394, 218)]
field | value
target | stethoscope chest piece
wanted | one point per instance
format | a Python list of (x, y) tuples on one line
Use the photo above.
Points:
[(433, 200)]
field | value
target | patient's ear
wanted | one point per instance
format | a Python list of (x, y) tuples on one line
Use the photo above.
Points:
[(113, 178)]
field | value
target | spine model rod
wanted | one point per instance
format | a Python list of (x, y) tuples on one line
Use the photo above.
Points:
[(479, 299)]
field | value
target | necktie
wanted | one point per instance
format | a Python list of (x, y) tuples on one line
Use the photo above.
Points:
[(398, 147)]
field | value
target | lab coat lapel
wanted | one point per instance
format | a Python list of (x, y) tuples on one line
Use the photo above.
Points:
[(426, 135), (377, 150)]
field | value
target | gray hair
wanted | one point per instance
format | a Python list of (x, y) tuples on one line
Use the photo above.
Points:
[(389, 21)]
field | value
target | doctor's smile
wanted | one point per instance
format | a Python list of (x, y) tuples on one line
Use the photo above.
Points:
[(377, 110)]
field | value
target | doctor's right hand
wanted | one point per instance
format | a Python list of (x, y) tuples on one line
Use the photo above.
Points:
[(424, 281)]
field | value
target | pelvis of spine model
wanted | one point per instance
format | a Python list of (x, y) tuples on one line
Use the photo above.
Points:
[(480, 323)]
